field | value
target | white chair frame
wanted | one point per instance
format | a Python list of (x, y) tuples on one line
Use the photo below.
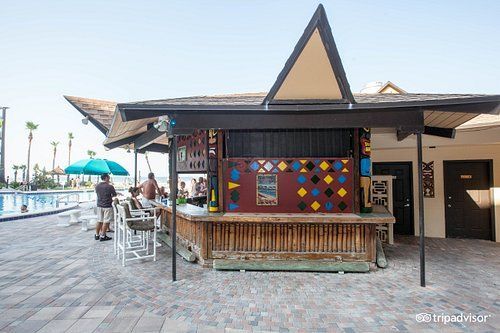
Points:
[(126, 245)]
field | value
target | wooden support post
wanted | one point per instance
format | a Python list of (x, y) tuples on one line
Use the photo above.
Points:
[(173, 198), (421, 210)]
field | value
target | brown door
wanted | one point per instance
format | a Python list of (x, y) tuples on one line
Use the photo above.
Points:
[(402, 191), (468, 209)]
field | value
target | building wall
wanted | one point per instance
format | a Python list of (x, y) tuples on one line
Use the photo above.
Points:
[(470, 145)]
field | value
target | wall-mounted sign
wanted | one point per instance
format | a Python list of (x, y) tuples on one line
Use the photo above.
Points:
[(267, 190), (465, 176)]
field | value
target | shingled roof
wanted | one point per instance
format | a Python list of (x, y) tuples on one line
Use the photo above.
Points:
[(257, 99), (100, 112)]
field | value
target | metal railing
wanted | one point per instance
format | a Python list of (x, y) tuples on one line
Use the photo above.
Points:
[(67, 199)]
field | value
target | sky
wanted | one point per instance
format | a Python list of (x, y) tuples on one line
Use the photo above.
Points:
[(138, 50)]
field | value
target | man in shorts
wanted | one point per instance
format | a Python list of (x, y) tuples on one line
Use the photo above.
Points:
[(149, 189), (105, 194)]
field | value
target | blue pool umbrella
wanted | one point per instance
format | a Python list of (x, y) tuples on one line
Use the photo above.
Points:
[(96, 166)]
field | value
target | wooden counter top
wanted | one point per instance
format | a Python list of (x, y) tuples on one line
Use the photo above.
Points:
[(195, 213)]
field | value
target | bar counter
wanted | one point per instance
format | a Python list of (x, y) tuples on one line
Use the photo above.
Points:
[(271, 238)]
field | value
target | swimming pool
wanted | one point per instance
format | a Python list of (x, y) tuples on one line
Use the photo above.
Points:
[(10, 203)]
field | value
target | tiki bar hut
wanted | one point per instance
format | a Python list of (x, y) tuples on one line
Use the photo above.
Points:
[(288, 170)]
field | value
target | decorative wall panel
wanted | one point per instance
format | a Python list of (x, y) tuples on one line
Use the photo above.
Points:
[(196, 152), (428, 179), (313, 185)]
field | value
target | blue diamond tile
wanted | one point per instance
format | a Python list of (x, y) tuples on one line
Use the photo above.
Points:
[(296, 165), (275, 161), (235, 175), (233, 206), (254, 166), (275, 170), (328, 205), (315, 192), (337, 165), (301, 179), (342, 179)]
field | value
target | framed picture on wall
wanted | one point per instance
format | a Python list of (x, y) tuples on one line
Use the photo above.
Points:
[(267, 190), (181, 154)]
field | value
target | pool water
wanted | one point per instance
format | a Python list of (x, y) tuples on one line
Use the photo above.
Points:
[(10, 203)]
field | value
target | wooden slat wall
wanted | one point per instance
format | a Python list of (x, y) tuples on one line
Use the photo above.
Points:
[(247, 240), (292, 238)]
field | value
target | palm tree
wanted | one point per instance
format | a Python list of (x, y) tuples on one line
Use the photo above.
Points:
[(70, 143), (54, 144), (91, 154), (30, 126), (16, 169), (23, 167)]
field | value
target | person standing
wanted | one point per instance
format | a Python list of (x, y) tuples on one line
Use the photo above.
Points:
[(105, 194), (149, 189)]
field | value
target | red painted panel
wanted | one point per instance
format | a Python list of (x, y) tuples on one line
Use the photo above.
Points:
[(310, 185)]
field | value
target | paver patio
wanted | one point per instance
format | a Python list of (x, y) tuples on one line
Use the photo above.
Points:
[(56, 279)]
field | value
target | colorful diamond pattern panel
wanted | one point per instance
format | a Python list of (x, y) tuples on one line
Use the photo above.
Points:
[(314, 185)]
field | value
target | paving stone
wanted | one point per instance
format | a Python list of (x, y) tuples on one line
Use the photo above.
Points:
[(149, 323), (57, 326), (84, 325), (47, 313)]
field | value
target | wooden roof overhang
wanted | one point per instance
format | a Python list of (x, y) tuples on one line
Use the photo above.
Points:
[(404, 116)]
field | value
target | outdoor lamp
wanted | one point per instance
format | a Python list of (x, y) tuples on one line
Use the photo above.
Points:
[(162, 124)]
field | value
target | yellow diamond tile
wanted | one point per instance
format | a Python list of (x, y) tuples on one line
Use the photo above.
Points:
[(282, 165), (345, 161), (262, 161), (345, 170), (304, 170), (328, 179), (303, 161), (342, 192), (302, 191), (315, 205), (324, 165), (261, 170)]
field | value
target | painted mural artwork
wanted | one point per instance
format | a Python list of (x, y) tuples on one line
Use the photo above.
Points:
[(181, 154), (365, 170), (213, 200), (267, 190), (212, 143), (312, 185), (428, 179)]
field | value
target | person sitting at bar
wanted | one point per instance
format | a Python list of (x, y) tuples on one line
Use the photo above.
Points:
[(182, 191), (134, 200), (192, 190), (164, 193), (201, 188), (149, 189)]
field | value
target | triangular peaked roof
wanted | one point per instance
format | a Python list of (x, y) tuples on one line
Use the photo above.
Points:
[(390, 88), (313, 73)]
